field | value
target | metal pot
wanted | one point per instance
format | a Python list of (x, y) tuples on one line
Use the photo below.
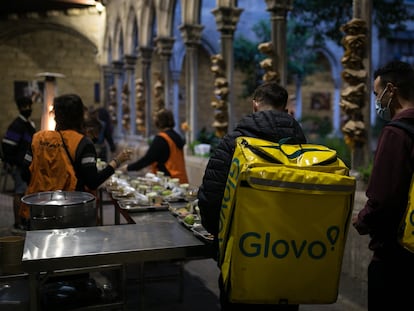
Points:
[(61, 209)]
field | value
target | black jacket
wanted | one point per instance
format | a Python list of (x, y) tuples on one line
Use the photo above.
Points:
[(17, 140), (270, 125)]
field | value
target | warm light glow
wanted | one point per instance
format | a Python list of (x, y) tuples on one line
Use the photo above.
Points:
[(99, 6), (51, 124), (48, 118)]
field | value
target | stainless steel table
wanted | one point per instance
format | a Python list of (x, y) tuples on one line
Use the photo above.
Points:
[(157, 236)]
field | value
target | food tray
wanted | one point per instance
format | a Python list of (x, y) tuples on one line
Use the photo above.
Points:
[(197, 222), (202, 233), (137, 207)]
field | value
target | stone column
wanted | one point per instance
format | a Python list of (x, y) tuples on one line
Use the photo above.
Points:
[(130, 62), (278, 10), (226, 20), (165, 46), (108, 80), (146, 56), (363, 9), (175, 75), (118, 69), (191, 36)]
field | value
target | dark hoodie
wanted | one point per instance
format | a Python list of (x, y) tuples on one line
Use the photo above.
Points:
[(271, 125)]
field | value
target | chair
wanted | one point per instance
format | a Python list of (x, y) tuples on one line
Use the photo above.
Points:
[(4, 173)]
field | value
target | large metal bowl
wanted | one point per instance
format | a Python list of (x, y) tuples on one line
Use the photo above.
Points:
[(61, 209)]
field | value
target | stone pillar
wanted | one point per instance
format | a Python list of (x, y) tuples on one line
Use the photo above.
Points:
[(130, 62), (226, 20), (363, 9), (278, 10), (165, 46), (146, 56), (108, 80), (191, 36), (175, 75), (118, 69)]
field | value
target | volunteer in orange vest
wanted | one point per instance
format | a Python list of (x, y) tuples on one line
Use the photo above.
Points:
[(47, 175), (165, 154)]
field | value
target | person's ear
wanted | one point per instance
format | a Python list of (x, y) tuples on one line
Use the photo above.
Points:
[(255, 106)]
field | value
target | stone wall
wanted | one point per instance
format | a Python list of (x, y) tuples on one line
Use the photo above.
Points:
[(51, 48)]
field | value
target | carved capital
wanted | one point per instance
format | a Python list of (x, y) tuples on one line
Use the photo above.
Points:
[(227, 19), (279, 7), (191, 34), (165, 46), (117, 67), (146, 54), (130, 62)]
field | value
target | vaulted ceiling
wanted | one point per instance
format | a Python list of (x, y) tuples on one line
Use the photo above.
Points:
[(22, 7)]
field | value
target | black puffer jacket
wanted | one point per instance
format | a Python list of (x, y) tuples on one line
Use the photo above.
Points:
[(270, 125)]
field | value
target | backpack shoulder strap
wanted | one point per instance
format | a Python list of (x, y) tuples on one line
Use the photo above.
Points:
[(66, 149)]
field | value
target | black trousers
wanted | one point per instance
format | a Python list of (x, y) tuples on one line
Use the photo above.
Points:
[(390, 284)]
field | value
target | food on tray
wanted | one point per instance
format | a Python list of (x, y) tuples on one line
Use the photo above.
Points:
[(182, 212), (166, 192), (189, 219), (156, 188), (203, 233)]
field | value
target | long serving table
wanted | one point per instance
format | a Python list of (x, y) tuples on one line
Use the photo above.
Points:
[(155, 236)]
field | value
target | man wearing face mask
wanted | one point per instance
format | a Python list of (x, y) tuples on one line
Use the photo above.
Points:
[(387, 192), (15, 143)]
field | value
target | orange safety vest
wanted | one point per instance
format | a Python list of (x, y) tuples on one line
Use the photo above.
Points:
[(175, 163), (51, 169)]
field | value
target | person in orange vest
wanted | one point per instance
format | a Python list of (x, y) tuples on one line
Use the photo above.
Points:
[(65, 158), (165, 154)]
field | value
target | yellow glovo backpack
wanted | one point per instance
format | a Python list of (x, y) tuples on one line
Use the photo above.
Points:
[(284, 221)]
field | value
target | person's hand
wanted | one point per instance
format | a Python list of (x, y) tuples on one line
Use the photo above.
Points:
[(123, 156), (120, 158)]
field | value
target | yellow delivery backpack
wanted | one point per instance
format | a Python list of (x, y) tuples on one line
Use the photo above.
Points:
[(283, 225)]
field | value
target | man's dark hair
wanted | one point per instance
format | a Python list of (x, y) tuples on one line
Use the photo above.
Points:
[(24, 101), (400, 74), (69, 112), (164, 119), (271, 94)]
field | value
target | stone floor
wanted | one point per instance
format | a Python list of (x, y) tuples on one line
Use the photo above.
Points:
[(200, 282)]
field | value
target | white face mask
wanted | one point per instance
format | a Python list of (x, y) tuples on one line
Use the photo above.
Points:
[(383, 112)]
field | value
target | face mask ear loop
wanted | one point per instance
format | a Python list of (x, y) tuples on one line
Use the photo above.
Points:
[(389, 103)]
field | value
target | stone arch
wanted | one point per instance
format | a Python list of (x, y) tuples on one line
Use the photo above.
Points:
[(118, 43), (165, 17), (131, 32), (146, 17), (107, 53), (336, 69), (191, 12), (34, 26)]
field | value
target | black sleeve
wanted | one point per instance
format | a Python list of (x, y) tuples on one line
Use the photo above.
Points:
[(11, 141), (25, 172), (85, 166), (211, 191), (158, 152)]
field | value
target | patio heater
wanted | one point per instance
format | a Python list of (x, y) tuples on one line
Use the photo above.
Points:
[(48, 122)]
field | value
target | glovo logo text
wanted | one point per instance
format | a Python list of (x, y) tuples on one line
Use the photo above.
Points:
[(229, 191), (267, 245)]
